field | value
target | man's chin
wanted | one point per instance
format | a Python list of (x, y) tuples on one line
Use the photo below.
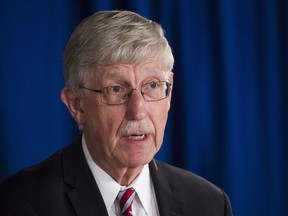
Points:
[(138, 161)]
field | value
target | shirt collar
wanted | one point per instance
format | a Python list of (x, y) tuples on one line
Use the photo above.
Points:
[(144, 193), (109, 188)]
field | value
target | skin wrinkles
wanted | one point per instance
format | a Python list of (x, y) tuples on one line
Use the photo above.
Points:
[(115, 73), (121, 156)]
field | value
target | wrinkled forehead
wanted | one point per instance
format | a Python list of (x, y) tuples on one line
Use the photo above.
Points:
[(141, 70)]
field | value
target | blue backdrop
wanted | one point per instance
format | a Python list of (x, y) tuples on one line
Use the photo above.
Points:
[(229, 120)]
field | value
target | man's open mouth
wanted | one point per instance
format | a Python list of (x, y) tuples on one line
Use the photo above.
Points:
[(136, 136)]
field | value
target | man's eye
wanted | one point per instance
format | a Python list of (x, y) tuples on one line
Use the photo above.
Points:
[(115, 89), (153, 85)]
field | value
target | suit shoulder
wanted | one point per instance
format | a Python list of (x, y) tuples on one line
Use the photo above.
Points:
[(187, 179), (201, 196), (34, 175), (40, 188), (50, 168)]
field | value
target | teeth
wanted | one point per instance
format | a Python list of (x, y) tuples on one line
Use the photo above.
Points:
[(137, 137)]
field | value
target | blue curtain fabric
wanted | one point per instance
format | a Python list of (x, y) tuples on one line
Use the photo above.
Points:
[(228, 121)]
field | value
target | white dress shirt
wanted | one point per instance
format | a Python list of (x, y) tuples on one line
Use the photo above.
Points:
[(144, 204)]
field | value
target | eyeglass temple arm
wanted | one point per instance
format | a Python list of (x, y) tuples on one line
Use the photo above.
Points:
[(94, 90)]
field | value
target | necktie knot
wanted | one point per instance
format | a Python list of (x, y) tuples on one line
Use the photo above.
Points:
[(125, 199)]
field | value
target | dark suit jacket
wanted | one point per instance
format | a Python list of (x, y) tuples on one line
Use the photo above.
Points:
[(63, 185)]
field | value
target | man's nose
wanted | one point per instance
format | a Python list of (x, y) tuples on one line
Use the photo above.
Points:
[(136, 107)]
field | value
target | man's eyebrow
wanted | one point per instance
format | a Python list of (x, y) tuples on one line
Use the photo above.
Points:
[(112, 74), (119, 73)]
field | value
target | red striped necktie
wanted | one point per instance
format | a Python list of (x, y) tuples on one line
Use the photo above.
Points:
[(125, 199)]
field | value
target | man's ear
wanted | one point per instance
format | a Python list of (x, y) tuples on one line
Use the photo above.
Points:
[(171, 75), (170, 79), (72, 102)]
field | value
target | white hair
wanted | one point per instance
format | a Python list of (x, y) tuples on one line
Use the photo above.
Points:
[(112, 37)]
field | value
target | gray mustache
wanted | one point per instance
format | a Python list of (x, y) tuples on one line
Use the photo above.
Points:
[(132, 127)]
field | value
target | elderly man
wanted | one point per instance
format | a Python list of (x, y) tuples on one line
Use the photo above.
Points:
[(118, 72)]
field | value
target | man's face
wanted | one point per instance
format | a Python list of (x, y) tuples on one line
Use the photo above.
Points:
[(127, 135)]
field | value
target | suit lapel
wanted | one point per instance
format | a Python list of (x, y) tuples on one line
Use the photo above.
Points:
[(84, 194), (86, 198), (168, 204)]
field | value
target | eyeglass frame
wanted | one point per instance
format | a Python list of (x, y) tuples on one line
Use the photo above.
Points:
[(129, 93)]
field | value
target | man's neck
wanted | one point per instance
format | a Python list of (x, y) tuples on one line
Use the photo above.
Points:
[(124, 176)]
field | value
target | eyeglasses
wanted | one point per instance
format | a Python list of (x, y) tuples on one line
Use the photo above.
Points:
[(118, 94)]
